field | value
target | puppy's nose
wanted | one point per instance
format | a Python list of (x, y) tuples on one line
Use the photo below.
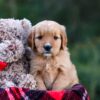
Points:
[(47, 47)]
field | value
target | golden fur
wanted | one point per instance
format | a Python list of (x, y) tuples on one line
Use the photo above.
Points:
[(53, 70)]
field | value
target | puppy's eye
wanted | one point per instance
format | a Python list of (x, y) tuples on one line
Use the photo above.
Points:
[(56, 37), (39, 37)]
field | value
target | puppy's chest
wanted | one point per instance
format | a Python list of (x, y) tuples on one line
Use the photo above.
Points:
[(49, 73)]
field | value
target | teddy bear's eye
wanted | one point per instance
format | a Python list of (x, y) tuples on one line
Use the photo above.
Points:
[(18, 37), (0, 41)]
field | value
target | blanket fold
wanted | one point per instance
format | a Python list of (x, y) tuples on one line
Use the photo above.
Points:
[(77, 92)]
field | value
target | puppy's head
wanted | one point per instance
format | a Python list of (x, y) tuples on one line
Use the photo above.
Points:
[(47, 38)]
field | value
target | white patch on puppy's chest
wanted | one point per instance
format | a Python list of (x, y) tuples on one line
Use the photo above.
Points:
[(49, 74), (47, 67)]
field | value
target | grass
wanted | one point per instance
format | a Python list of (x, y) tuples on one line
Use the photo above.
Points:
[(86, 57)]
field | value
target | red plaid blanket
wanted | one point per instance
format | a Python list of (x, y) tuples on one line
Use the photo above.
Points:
[(77, 92)]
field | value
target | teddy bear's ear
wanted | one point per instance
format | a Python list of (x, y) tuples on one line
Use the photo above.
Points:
[(26, 24)]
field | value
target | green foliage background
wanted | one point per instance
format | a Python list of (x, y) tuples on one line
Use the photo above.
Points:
[(82, 19)]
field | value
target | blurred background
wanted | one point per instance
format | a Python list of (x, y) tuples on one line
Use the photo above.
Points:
[(82, 21)]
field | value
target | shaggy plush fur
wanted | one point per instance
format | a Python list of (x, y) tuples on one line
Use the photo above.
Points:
[(13, 37), (51, 65)]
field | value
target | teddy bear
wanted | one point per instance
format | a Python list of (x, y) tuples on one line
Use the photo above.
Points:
[(14, 54)]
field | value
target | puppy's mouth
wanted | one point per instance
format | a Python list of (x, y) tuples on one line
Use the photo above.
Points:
[(47, 54)]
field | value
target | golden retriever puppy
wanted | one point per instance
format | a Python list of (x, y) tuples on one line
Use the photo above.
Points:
[(51, 65)]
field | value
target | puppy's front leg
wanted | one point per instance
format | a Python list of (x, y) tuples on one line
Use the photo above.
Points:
[(40, 83), (38, 77), (66, 78), (60, 82)]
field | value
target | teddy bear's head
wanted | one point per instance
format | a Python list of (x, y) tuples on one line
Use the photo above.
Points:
[(11, 29), (13, 37)]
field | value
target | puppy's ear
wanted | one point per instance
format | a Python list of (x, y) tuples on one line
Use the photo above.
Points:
[(63, 37), (31, 38)]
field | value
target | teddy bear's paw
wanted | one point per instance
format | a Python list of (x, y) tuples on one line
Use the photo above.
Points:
[(9, 83), (6, 83), (27, 81)]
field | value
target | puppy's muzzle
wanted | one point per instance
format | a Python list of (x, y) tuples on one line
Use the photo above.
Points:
[(47, 47)]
